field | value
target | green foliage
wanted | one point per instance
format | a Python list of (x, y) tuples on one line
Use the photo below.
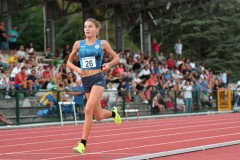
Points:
[(209, 31), (30, 26)]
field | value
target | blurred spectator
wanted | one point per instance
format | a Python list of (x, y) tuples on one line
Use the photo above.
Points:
[(156, 103), (3, 40), (224, 79), (20, 81), (152, 80), (57, 53), (78, 93), (5, 83), (156, 47), (66, 52), (192, 64), (15, 71), (137, 79), (170, 61), (31, 52), (145, 73), (124, 90), (136, 67), (22, 56), (180, 103), (147, 93), (188, 96), (197, 89), (161, 58), (63, 69), (3, 64), (140, 92), (47, 75), (128, 79), (217, 86), (237, 94), (152, 66), (118, 71), (206, 100), (55, 82), (32, 78), (178, 49), (13, 40), (12, 61), (39, 75), (123, 59), (158, 69), (136, 56), (48, 53), (112, 96)]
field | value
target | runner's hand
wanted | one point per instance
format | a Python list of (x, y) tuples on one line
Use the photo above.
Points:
[(105, 67), (79, 71)]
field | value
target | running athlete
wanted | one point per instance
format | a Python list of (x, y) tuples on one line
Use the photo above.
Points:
[(91, 51)]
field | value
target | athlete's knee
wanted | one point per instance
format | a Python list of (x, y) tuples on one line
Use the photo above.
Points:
[(88, 111)]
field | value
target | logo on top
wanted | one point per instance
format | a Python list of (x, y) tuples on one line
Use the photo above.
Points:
[(97, 46)]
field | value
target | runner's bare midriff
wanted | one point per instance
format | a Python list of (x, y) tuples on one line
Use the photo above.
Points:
[(87, 73)]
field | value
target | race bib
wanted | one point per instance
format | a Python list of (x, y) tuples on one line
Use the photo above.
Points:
[(88, 62)]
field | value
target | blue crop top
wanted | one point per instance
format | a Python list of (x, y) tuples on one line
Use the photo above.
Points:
[(91, 57)]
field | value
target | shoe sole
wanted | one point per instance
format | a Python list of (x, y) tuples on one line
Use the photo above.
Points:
[(76, 151)]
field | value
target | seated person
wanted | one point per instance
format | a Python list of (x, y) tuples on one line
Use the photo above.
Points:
[(140, 88), (5, 83), (117, 71), (152, 80), (47, 76), (180, 102), (20, 81), (206, 99), (156, 104), (48, 54), (12, 61), (22, 56), (3, 64), (33, 79), (31, 52), (145, 72)]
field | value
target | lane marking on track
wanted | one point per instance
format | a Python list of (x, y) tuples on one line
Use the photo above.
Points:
[(115, 134), (124, 140), (122, 129), (130, 125), (180, 151), (152, 145)]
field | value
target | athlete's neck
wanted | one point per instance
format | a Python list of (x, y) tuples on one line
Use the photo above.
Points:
[(90, 41)]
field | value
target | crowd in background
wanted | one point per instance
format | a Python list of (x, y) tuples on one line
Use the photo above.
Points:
[(155, 79)]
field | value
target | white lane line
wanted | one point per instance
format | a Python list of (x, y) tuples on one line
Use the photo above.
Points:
[(152, 145), (125, 140), (121, 129), (180, 151), (136, 123), (117, 134)]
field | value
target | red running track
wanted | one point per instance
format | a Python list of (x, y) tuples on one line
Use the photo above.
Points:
[(110, 141)]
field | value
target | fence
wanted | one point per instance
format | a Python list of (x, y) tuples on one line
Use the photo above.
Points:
[(21, 109)]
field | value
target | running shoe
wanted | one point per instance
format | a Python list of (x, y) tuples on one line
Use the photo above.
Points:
[(117, 118), (80, 148)]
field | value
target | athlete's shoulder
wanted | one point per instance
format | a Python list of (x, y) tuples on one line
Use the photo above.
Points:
[(104, 43)]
